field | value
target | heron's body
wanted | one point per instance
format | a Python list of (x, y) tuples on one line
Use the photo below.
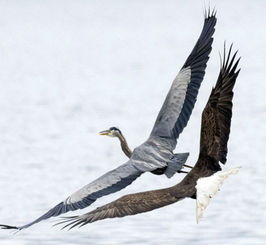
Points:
[(154, 152), (115, 132), (153, 146)]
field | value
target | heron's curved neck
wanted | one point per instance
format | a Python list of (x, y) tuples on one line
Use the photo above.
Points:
[(124, 145)]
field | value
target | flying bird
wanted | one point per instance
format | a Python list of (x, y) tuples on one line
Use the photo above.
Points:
[(215, 130), (157, 151), (115, 132)]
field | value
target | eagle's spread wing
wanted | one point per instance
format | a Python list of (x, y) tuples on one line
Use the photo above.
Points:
[(126, 205), (216, 117)]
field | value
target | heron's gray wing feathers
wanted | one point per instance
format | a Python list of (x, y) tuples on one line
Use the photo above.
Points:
[(127, 205), (180, 100), (216, 117), (110, 182)]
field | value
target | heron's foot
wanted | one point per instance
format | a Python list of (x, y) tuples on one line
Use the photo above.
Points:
[(187, 166)]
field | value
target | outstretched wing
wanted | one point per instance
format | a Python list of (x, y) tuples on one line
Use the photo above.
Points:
[(180, 100), (110, 182), (216, 117), (126, 205)]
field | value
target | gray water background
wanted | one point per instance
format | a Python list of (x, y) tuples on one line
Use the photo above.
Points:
[(70, 69)]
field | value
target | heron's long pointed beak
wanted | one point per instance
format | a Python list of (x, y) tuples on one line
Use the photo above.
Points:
[(105, 132)]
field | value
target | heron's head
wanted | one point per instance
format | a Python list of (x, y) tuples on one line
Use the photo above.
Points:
[(112, 132)]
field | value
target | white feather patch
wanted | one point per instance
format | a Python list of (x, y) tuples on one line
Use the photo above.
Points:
[(207, 187)]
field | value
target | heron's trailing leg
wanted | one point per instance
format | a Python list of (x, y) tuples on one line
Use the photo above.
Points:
[(181, 171)]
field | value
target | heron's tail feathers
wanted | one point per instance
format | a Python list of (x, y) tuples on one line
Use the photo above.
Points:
[(176, 164), (207, 187)]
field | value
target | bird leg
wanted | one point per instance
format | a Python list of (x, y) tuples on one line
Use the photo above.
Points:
[(187, 166), (181, 171)]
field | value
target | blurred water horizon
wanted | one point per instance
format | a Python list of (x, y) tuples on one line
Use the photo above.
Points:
[(73, 68)]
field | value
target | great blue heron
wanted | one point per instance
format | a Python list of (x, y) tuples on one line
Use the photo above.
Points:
[(157, 151), (117, 133), (215, 130)]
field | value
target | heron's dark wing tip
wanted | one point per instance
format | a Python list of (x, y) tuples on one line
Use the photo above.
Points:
[(9, 227), (210, 13), (197, 62)]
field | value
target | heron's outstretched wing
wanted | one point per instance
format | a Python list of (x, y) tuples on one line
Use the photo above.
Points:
[(110, 182), (127, 205), (216, 117), (216, 120), (180, 100)]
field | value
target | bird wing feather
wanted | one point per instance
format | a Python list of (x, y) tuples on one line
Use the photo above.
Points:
[(180, 100), (127, 205), (110, 182), (216, 117), (215, 130)]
